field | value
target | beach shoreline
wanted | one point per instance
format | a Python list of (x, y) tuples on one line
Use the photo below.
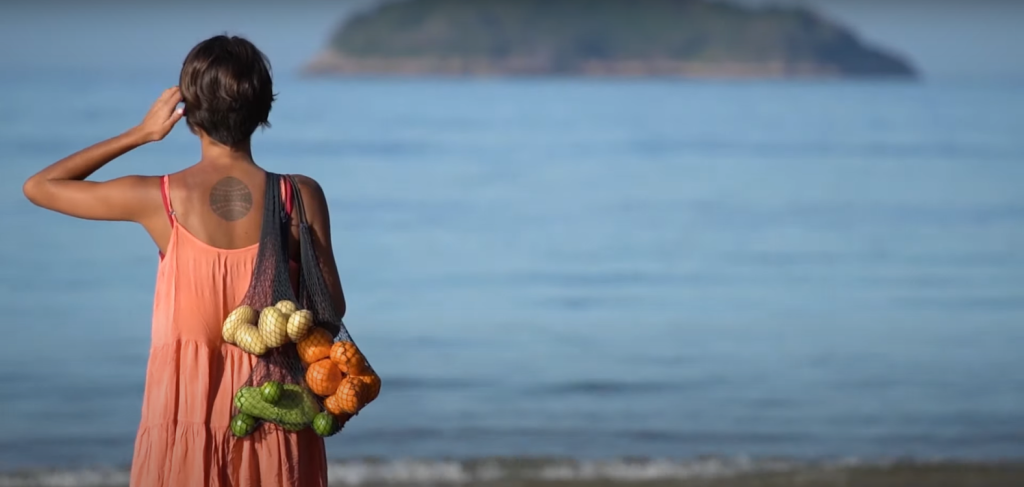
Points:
[(612, 473), (329, 64)]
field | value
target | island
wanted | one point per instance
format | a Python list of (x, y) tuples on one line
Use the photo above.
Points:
[(637, 38)]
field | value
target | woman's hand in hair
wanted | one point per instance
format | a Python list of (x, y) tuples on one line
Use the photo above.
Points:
[(161, 117)]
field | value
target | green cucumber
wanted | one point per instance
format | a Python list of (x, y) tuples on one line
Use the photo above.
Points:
[(296, 406)]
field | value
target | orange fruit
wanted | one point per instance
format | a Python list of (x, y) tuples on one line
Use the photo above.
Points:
[(333, 404), (323, 377), (315, 346), (372, 385), (349, 359), (352, 394)]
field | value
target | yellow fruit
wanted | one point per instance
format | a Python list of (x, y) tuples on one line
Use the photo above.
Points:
[(245, 314), (273, 327), (242, 315), (249, 338), (299, 324), (230, 329), (287, 307)]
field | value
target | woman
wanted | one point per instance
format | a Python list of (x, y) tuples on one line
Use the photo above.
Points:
[(205, 221)]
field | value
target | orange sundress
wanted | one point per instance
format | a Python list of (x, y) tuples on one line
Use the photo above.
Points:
[(184, 438)]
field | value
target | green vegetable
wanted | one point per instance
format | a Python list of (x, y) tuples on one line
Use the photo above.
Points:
[(295, 407), (242, 393), (271, 391), (242, 425), (306, 401), (325, 425), (293, 426)]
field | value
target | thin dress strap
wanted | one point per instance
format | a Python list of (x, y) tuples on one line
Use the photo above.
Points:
[(286, 191), (165, 194)]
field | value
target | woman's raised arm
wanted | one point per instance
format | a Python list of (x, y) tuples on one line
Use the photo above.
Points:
[(62, 187)]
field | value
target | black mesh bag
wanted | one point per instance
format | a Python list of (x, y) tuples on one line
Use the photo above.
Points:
[(359, 384), (307, 364)]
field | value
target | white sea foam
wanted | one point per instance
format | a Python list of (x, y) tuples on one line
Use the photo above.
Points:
[(461, 472)]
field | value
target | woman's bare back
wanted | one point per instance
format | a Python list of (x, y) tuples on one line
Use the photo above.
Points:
[(221, 205)]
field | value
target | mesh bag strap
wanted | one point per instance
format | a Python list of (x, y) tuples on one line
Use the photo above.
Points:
[(270, 280), (313, 291)]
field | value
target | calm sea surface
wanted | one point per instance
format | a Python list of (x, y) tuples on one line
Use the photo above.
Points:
[(584, 269)]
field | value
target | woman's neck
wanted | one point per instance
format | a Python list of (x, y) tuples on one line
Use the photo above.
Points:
[(217, 153)]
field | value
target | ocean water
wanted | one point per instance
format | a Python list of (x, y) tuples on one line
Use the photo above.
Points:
[(580, 269)]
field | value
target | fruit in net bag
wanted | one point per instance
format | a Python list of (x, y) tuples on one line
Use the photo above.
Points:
[(351, 395), (315, 347), (248, 338), (348, 358), (299, 324), (323, 377), (324, 424), (294, 407), (271, 391), (275, 391), (294, 335), (359, 384), (273, 326), (243, 315), (297, 405), (352, 363), (286, 306), (334, 404), (242, 424), (372, 385)]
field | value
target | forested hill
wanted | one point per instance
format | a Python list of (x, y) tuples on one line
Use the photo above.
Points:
[(600, 37)]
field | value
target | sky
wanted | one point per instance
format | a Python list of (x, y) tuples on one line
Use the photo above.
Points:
[(945, 38)]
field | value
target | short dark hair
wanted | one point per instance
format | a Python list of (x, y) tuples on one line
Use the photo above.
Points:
[(227, 89)]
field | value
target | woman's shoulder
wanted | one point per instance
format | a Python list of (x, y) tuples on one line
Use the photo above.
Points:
[(312, 193), (309, 187)]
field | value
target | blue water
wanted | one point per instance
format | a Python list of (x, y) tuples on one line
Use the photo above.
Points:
[(575, 268)]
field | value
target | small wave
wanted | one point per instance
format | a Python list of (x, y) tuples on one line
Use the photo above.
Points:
[(603, 387), (431, 384), (525, 471)]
